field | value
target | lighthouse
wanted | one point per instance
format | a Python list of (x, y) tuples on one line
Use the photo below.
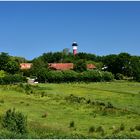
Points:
[(74, 45)]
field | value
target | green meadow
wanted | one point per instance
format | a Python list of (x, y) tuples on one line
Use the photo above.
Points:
[(74, 110)]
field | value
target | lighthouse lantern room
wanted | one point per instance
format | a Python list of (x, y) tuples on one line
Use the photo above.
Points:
[(74, 45)]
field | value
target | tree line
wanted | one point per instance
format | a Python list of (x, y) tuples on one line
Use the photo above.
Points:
[(119, 65)]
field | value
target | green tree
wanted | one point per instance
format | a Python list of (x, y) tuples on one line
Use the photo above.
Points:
[(135, 64), (38, 63), (123, 64), (12, 67), (15, 121), (110, 62), (80, 65), (118, 63), (4, 58)]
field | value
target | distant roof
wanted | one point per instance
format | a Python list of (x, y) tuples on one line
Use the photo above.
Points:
[(61, 66), (91, 66), (56, 66), (25, 65)]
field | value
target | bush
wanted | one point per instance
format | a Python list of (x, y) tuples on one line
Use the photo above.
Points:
[(119, 76), (107, 76), (132, 129), (109, 105), (100, 129), (2, 73), (91, 129), (14, 121), (122, 127), (1, 101), (73, 76), (70, 76), (71, 124), (54, 76), (137, 127), (12, 79), (91, 76)]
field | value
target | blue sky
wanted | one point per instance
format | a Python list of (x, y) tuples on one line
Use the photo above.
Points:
[(29, 29)]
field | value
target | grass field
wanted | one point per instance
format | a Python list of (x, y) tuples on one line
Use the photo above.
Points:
[(76, 110)]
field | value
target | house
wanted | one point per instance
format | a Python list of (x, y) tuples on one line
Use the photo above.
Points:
[(56, 66), (67, 66), (61, 66), (25, 66)]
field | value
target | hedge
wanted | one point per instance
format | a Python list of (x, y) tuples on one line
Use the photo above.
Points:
[(12, 79), (72, 76)]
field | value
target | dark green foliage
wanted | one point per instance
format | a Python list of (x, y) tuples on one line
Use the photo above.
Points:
[(42, 94), (91, 76), (70, 76), (72, 124), (91, 129), (12, 135), (135, 63), (107, 76), (12, 79), (137, 127), (118, 63), (44, 115), (122, 127), (15, 121), (1, 101), (109, 105), (132, 129), (12, 67), (4, 59), (55, 77), (100, 129), (74, 99), (80, 65), (119, 76), (88, 101)]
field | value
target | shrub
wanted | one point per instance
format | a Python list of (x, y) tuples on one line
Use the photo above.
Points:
[(74, 99), (91, 129), (45, 115), (109, 105), (2, 101), (54, 76), (14, 121), (70, 76), (2, 73), (115, 131), (100, 129), (42, 94), (137, 127), (72, 124), (80, 65), (107, 76), (119, 76), (122, 127), (91, 76), (12, 79), (132, 129)]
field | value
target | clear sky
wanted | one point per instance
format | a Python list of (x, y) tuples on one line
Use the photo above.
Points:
[(29, 29)]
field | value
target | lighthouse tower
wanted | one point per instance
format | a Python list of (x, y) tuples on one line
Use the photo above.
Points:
[(74, 45)]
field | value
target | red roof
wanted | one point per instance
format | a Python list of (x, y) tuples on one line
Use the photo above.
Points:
[(61, 66), (25, 65), (91, 66), (56, 66)]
